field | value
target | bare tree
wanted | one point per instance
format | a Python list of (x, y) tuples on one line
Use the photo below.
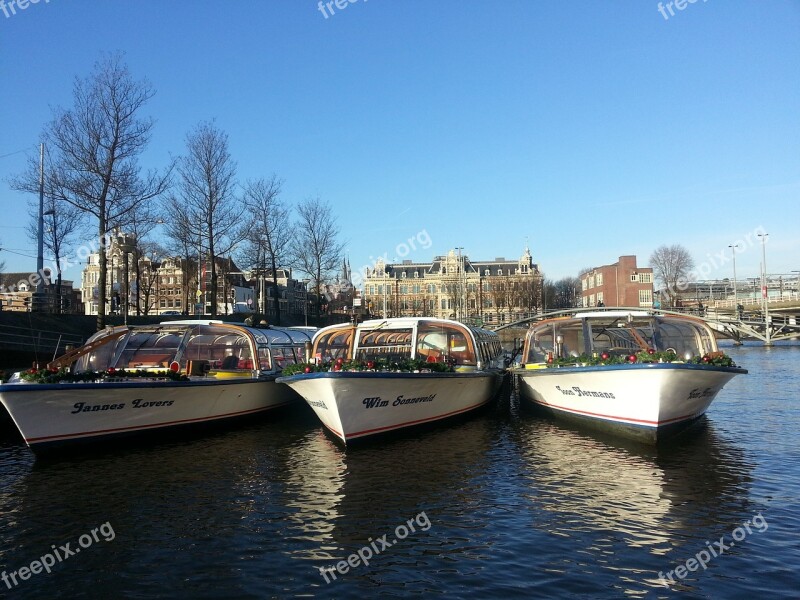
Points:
[(148, 254), (271, 233), (183, 242), (63, 223), (671, 265), (316, 250), (139, 224), (94, 149), (206, 187)]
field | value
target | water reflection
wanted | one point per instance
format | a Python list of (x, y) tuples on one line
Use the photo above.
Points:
[(605, 498), (342, 497)]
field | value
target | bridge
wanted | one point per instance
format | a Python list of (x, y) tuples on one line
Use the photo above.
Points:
[(780, 321)]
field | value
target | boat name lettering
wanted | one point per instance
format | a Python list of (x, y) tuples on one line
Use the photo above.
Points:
[(317, 403), (375, 402), (400, 400), (697, 393), (83, 407), (139, 403), (576, 391)]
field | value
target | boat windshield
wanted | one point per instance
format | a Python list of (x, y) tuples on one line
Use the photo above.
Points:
[(333, 344), (99, 359), (149, 349)]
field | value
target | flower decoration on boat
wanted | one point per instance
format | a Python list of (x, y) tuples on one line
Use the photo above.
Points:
[(714, 359), (405, 365), (649, 356), (64, 375)]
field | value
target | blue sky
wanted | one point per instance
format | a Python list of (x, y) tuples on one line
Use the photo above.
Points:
[(589, 129)]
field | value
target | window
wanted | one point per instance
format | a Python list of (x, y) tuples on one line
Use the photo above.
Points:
[(634, 277), (403, 275), (599, 279), (404, 289), (600, 297), (645, 278), (585, 284), (645, 297), (499, 271)]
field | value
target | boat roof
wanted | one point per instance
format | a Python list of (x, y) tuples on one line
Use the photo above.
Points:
[(273, 335), (406, 322)]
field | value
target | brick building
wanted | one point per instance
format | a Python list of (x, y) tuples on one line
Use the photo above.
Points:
[(618, 284)]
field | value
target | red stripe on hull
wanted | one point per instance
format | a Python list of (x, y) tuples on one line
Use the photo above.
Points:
[(154, 426), (613, 418), (406, 424)]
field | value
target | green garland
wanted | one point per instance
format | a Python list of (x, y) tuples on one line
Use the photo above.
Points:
[(715, 359), (63, 375), (405, 365)]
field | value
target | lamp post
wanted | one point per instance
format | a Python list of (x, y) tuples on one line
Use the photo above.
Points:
[(797, 285), (765, 287), (733, 248), (305, 300)]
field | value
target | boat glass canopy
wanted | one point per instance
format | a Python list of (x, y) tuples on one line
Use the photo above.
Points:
[(617, 335)]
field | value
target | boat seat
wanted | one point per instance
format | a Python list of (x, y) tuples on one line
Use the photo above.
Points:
[(150, 360), (230, 362), (245, 364)]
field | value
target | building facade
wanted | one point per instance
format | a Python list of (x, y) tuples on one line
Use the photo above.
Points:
[(17, 289), (453, 286), (618, 284), (175, 285)]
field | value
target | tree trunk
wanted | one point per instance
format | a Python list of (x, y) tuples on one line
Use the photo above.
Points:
[(101, 292)]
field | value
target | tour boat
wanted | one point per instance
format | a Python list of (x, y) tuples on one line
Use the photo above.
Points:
[(132, 379), (643, 375), (387, 374)]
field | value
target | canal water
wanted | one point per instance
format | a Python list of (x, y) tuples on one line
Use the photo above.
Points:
[(505, 504)]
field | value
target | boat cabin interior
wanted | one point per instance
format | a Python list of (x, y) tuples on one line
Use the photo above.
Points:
[(430, 340)]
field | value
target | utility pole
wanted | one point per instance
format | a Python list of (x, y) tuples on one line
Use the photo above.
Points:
[(36, 304), (765, 288), (733, 248)]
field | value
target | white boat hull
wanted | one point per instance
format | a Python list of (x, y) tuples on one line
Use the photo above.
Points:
[(54, 414), (642, 402), (355, 405)]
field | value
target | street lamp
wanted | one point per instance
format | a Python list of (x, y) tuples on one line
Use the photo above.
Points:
[(733, 248), (765, 287)]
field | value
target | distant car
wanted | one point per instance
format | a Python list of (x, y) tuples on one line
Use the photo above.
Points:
[(171, 312)]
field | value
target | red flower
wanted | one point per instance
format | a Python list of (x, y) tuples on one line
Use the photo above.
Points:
[(307, 370), (604, 356), (632, 358), (651, 351)]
